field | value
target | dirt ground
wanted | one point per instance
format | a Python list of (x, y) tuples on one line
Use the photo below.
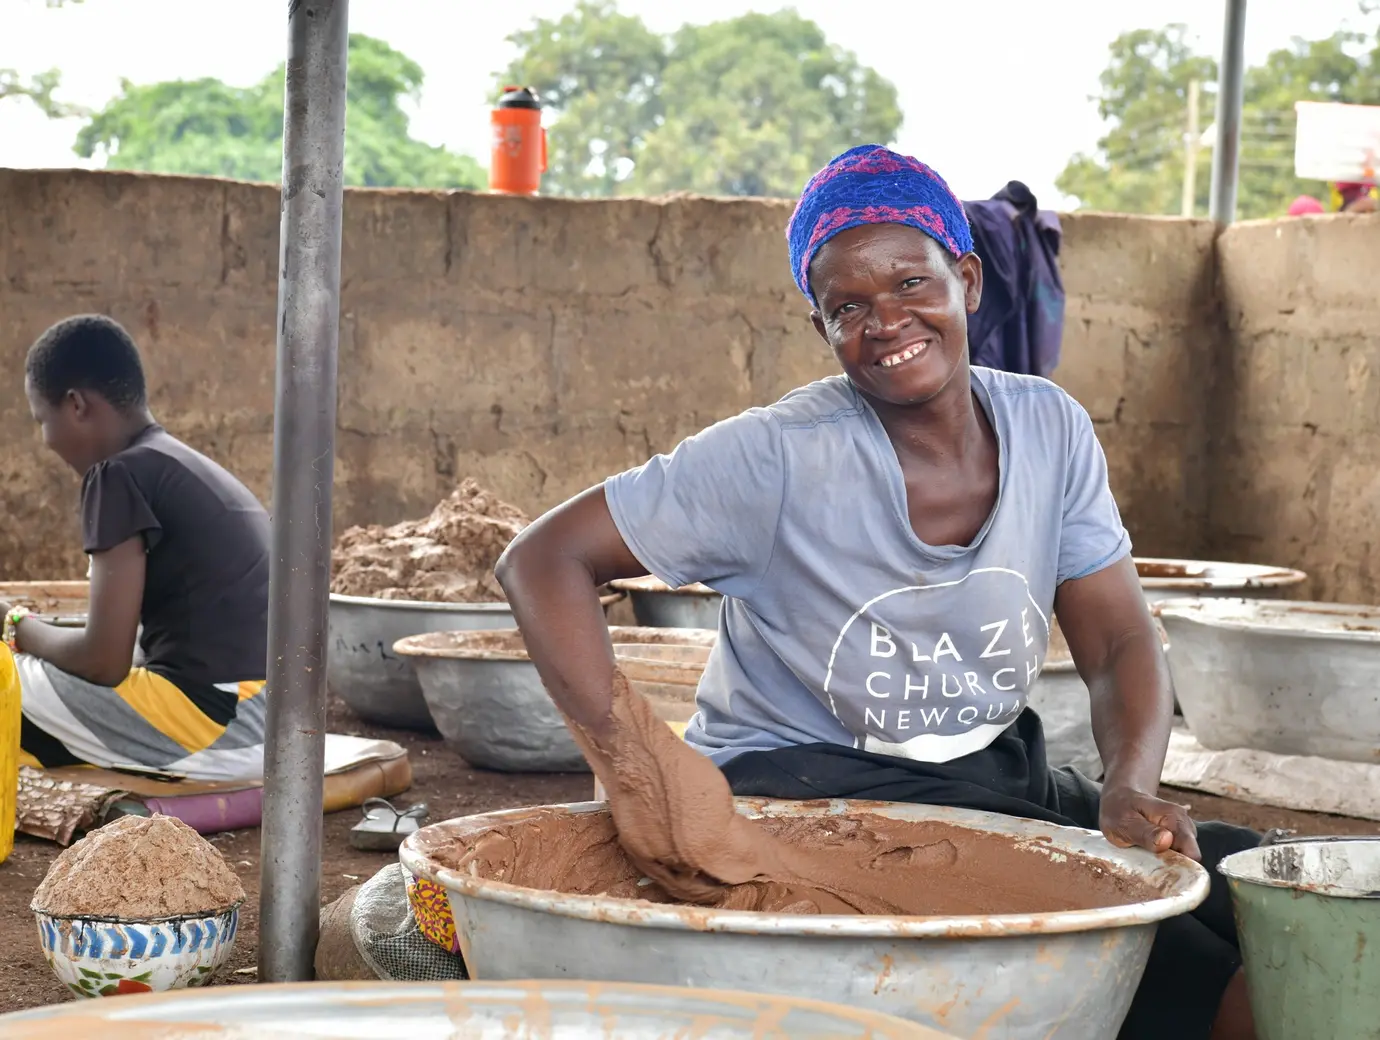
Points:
[(450, 787)]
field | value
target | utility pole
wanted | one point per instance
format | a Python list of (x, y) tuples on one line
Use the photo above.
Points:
[(1191, 135), (1226, 154), (303, 452)]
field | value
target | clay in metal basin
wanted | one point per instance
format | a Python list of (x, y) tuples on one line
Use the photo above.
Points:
[(378, 685), (490, 704), (54, 600), (417, 1010), (1165, 579), (657, 605), (1292, 678), (63, 604), (1050, 976)]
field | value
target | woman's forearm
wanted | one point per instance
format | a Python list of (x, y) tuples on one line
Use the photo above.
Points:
[(1132, 711), (70, 650), (551, 574), (556, 602)]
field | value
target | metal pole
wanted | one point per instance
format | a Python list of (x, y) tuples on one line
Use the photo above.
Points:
[(1226, 155), (1191, 135), (303, 458)]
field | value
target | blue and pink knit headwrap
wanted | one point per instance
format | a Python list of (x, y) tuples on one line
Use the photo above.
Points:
[(870, 184)]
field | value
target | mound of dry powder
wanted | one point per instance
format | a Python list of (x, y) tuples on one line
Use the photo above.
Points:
[(448, 557), (139, 868)]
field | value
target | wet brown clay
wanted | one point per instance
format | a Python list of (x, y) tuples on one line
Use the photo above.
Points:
[(868, 864), (672, 820)]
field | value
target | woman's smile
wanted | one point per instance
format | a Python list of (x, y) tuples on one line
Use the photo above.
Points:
[(899, 356)]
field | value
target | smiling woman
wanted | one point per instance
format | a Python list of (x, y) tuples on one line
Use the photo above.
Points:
[(892, 543)]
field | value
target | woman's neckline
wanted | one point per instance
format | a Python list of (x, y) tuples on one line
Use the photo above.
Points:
[(896, 480)]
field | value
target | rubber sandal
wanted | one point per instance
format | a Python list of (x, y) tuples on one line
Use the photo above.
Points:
[(384, 826)]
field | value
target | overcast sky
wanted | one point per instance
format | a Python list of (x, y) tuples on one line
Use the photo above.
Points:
[(991, 89)]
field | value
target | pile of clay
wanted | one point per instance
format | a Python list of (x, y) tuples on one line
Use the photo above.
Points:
[(447, 557), (867, 864), (139, 869)]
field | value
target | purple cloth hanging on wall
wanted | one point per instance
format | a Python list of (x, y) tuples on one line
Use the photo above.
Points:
[(1019, 325)]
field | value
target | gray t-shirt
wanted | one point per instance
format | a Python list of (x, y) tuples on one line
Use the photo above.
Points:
[(839, 625)]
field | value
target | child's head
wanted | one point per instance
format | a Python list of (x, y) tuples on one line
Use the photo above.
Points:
[(85, 385)]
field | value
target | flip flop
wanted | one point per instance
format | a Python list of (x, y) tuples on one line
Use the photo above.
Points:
[(385, 826)]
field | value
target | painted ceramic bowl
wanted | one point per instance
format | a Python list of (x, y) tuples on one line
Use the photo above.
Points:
[(103, 958)]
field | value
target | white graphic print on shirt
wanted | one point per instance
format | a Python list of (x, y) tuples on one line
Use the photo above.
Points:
[(931, 672)]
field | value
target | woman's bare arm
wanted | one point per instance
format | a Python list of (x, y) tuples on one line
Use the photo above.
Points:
[(551, 574), (102, 652), (1119, 655)]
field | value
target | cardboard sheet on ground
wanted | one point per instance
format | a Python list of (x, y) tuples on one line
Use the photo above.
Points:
[(56, 803), (1282, 781)]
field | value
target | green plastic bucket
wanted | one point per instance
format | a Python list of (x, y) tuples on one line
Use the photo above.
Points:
[(1308, 914)]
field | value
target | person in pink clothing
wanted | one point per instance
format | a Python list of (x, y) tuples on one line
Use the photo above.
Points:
[(1305, 206)]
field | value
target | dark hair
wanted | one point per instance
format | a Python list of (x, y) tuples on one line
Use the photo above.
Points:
[(88, 352)]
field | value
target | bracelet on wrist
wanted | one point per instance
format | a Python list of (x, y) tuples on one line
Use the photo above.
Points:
[(11, 632)]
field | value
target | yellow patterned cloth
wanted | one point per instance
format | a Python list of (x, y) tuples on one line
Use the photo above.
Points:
[(431, 907)]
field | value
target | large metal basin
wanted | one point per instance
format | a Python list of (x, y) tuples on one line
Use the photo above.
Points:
[(1171, 579), (363, 671), (656, 605), (1061, 698), (1053, 976), (1292, 678), (489, 702), (432, 1011)]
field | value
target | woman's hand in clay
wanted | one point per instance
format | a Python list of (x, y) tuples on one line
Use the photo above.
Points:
[(1132, 819)]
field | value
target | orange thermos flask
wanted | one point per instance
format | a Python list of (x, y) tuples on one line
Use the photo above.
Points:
[(519, 147)]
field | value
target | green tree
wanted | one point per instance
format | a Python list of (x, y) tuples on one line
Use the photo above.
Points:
[(600, 72), (205, 127), (747, 106), (1138, 166), (40, 88)]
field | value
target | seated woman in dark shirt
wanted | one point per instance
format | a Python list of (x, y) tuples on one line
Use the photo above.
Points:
[(177, 545)]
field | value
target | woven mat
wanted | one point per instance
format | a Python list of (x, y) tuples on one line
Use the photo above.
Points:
[(56, 804), (55, 809)]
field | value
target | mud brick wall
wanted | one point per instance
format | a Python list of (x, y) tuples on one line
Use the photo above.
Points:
[(1297, 410), (540, 344)]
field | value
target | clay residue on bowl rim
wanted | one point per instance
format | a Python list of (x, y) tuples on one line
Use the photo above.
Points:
[(64, 598), (1204, 575), (506, 644), (648, 583), (1290, 618)]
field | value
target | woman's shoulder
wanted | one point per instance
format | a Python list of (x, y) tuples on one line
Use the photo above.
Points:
[(1026, 398), (829, 400)]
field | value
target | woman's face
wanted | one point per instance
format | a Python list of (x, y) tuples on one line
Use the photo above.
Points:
[(894, 306), (64, 426)]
